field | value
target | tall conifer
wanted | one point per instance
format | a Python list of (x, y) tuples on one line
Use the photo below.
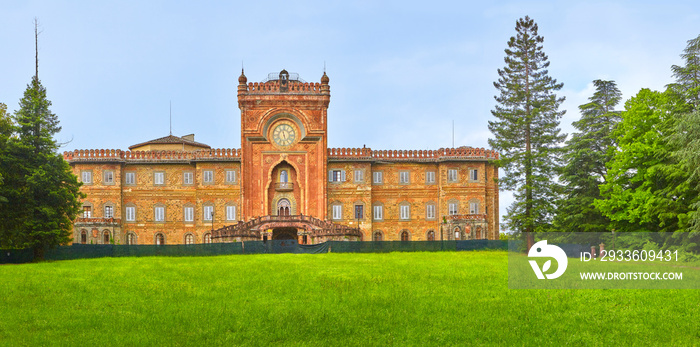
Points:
[(587, 152), (526, 130), (688, 75), (40, 190)]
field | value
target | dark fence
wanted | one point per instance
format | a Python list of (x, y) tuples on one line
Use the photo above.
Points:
[(79, 251)]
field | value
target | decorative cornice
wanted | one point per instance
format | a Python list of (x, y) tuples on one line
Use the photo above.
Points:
[(440, 155)]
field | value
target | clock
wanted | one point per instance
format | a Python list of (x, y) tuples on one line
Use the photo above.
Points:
[(283, 135)]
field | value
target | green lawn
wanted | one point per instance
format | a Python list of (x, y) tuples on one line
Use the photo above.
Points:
[(440, 298)]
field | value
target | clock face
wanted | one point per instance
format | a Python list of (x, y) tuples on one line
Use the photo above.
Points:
[(283, 135)]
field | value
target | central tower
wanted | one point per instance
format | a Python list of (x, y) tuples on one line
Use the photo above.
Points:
[(284, 145)]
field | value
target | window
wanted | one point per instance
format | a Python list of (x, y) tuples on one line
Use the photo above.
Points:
[(404, 235), (86, 177), (109, 211), (189, 239), (83, 237), (473, 175), (359, 175), (404, 209), (159, 178), (377, 236), (284, 207), (189, 213), (474, 207), (105, 237), (108, 177), (452, 175), (377, 177), (337, 211), (207, 238), (159, 212), (359, 212), (431, 235), (457, 234), (378, 211), (130, 213), (430, 177), (160, 239), (208, 176), (208, 212), (404, 177), (87, 211), (230, 176), (230, 212), (188, 177), (284, 178), (430, 211), (452, 208), (336, 176), (130, 239), (130, 178)]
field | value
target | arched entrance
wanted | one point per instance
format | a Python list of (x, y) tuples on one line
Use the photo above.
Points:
[(284, 207), (284, 234)]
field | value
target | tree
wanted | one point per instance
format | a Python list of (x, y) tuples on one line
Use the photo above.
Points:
[(587, 152), (686, 133), (688, 75), (686, 140), (5, 133), (646, 188), (41, 190), (526, 130)]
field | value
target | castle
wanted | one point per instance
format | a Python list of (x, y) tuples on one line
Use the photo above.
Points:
[(283, 183)]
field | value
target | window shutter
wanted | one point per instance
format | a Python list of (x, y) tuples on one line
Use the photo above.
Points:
[(330, 175), (342, 175)]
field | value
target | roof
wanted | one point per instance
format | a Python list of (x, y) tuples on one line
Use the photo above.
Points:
[(170, 139)]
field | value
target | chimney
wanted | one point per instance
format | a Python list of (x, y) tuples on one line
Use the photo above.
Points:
[(189, 137)]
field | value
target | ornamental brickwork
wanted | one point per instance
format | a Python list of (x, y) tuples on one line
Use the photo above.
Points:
[(283, 183)]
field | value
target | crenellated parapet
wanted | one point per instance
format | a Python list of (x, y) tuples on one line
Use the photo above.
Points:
[(275, 87), (117, 155), (467, 153)]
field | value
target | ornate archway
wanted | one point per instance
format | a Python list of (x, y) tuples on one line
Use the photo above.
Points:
[(284, 207)]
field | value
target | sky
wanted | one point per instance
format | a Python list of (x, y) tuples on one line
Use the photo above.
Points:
[(401, 72)]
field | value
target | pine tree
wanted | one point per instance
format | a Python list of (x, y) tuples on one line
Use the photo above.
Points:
[(41, 190), (688, 75), (587, 152), (42, 193), (526, 130)]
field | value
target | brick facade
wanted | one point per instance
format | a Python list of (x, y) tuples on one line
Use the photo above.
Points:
[(161, 189)]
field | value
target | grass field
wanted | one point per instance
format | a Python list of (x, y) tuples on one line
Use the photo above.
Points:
[(440, 298)]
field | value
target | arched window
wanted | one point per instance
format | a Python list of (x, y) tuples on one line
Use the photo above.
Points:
[(130, 239), (105, 237), (431, 235), (189, 239), (160, 239), (457, 234), (478, 233), (207, 238), (83, 236), (404, 235), (377, 236), (284, 207), (283, 176)]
